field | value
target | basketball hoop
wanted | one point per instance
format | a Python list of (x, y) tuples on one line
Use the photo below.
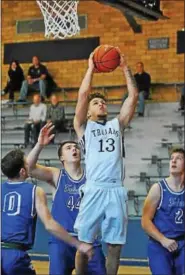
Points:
[(60, 18)]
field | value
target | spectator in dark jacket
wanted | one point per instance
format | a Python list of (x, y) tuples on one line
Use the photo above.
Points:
[(16, 77), (143, 81), (182, 100), (55, 114), (36, 80)]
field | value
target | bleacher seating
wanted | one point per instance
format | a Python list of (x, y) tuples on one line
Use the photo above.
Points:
[(146, 137)]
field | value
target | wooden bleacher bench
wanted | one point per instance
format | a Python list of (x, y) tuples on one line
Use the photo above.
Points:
[(147, 179), (165, 143), (106, 89), (158, 161), (176, 128)]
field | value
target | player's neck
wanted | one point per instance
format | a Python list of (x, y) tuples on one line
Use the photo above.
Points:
[(74, 170), (176, 183), (99, 118)]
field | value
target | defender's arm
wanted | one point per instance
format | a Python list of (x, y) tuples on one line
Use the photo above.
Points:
[(55, 228), (48, 174)]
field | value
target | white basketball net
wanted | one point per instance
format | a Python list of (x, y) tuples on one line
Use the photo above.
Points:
[(60, 18)]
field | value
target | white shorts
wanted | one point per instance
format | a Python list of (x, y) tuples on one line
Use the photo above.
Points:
[(103, 212)]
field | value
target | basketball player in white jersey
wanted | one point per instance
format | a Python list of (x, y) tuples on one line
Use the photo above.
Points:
[(103, 207)]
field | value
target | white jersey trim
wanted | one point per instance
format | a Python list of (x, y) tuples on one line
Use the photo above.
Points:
[(161, 198), (15, 182), (33, 212), (171, 191)]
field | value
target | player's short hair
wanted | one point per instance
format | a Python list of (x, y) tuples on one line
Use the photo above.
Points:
[(62, 144), (177, 150), (12, 163), (96, 95)]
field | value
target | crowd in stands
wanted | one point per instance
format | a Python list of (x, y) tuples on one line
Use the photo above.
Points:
[(38, 79)]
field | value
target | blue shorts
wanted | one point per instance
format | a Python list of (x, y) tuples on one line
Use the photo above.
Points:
[(103, 211), (16, 262), (161, 261), (62, 260)]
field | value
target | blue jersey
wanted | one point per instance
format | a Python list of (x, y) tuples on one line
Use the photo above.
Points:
[(18, 213), (169, 217), (66, 202)]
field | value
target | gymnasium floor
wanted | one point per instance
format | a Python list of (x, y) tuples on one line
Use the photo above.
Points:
[(42, 268)]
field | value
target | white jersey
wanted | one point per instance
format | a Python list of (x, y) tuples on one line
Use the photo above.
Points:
[(104, 152)]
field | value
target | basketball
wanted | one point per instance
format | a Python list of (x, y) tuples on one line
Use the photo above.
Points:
[(106, 58)]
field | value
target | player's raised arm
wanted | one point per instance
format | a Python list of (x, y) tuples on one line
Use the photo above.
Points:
[(150, 207), (48, 174), (53, 227), (128, 107), (82, 103)]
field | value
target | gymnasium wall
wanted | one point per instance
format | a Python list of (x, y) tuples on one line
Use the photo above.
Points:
[(112, 28)]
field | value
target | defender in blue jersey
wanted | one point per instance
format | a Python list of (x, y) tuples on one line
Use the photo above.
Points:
[(20, 203), (66, 184), (163, 220), (104, 205)]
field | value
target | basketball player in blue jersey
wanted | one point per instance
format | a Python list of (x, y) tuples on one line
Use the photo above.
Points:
[(163, 220), (103, 208), (66, 184), (20, 203)]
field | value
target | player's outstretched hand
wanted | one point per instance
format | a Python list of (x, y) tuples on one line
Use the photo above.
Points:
[(86, 249), (91, 62), (169, 244), (45, 135)]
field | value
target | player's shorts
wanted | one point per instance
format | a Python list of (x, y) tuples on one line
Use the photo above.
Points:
[(161, 261), (103, 211), (16, 262), (62, 260)]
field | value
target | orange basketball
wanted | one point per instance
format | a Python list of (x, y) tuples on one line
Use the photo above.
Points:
[(106, 58)]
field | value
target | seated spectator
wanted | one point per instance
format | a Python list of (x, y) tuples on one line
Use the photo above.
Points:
[(16, 77), (36, 80), (143, 81), (37, 119), (182, 101), (56, 115)]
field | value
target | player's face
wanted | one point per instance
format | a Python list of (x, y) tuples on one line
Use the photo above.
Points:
[(97, 108), (70, 153), (177, 163)]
